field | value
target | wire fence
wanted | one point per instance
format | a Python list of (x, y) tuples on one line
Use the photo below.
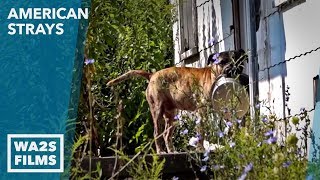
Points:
[(203, 3), (278, 10), (292, 58), (209, 47), (274, 12)]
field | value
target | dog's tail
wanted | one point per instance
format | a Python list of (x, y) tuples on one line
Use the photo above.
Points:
[(130, 74)]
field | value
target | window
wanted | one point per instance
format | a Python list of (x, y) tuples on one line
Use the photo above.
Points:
[(188, 28), (315, 89)]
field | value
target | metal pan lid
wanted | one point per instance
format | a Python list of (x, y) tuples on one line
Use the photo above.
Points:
[(228, 93)]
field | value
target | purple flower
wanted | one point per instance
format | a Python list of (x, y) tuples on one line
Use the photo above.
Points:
[(198, 120), (215, 58), (239, 121), (177, 117), (243, 176), (257, 106), (193, 141), (264, 119), (229, 124), (198, 136), (184, 132), (205, 158), (271, 140), (89, 61), (212, 42), (232, 144), (299, 152), (246, 170), (286, 164), (175, 178), (220, 134), (269, 133), (203, 168), (248, 167)]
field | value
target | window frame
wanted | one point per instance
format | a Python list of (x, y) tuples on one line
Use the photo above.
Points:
[(285, 5), (185, 54)]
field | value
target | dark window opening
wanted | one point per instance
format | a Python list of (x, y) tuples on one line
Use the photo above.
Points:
[(188, 24)]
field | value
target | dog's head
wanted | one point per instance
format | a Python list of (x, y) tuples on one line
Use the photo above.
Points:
[(231, 61)]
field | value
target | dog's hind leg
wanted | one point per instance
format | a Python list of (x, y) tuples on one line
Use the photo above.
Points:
[(157, 117), (169, 128), (158, 122)]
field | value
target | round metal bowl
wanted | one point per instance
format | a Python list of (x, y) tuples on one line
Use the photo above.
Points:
[(230, 97)]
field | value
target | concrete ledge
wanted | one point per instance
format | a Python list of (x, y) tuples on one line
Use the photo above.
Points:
[(177, 164)]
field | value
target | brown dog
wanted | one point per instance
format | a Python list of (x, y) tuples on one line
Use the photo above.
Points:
[(175, 88)]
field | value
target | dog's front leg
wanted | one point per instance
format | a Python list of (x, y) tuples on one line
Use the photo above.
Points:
[(200, 126)]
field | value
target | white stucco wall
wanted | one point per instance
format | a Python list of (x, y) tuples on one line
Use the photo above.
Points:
[(302, 28), (281, 36)]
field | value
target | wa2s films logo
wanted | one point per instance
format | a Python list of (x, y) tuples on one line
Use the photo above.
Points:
[(35, 153)]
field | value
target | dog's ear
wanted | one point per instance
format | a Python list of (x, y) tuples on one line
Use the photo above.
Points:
[(210, 60)]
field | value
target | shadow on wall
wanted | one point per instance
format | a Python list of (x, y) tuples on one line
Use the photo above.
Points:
[(271, 42), (277, 43), (277, 39)]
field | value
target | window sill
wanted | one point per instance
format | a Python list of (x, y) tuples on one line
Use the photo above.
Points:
[(191, 52), (286, 4)]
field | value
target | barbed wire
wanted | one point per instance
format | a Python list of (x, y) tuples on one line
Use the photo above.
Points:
[(267, 16), (267, 68), (298, 114), (203, 3), (214, 44), (274, 12), (210, 46), (292, 58)]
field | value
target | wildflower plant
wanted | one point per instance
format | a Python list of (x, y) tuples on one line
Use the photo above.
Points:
[(245, 148), (226, 146)]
